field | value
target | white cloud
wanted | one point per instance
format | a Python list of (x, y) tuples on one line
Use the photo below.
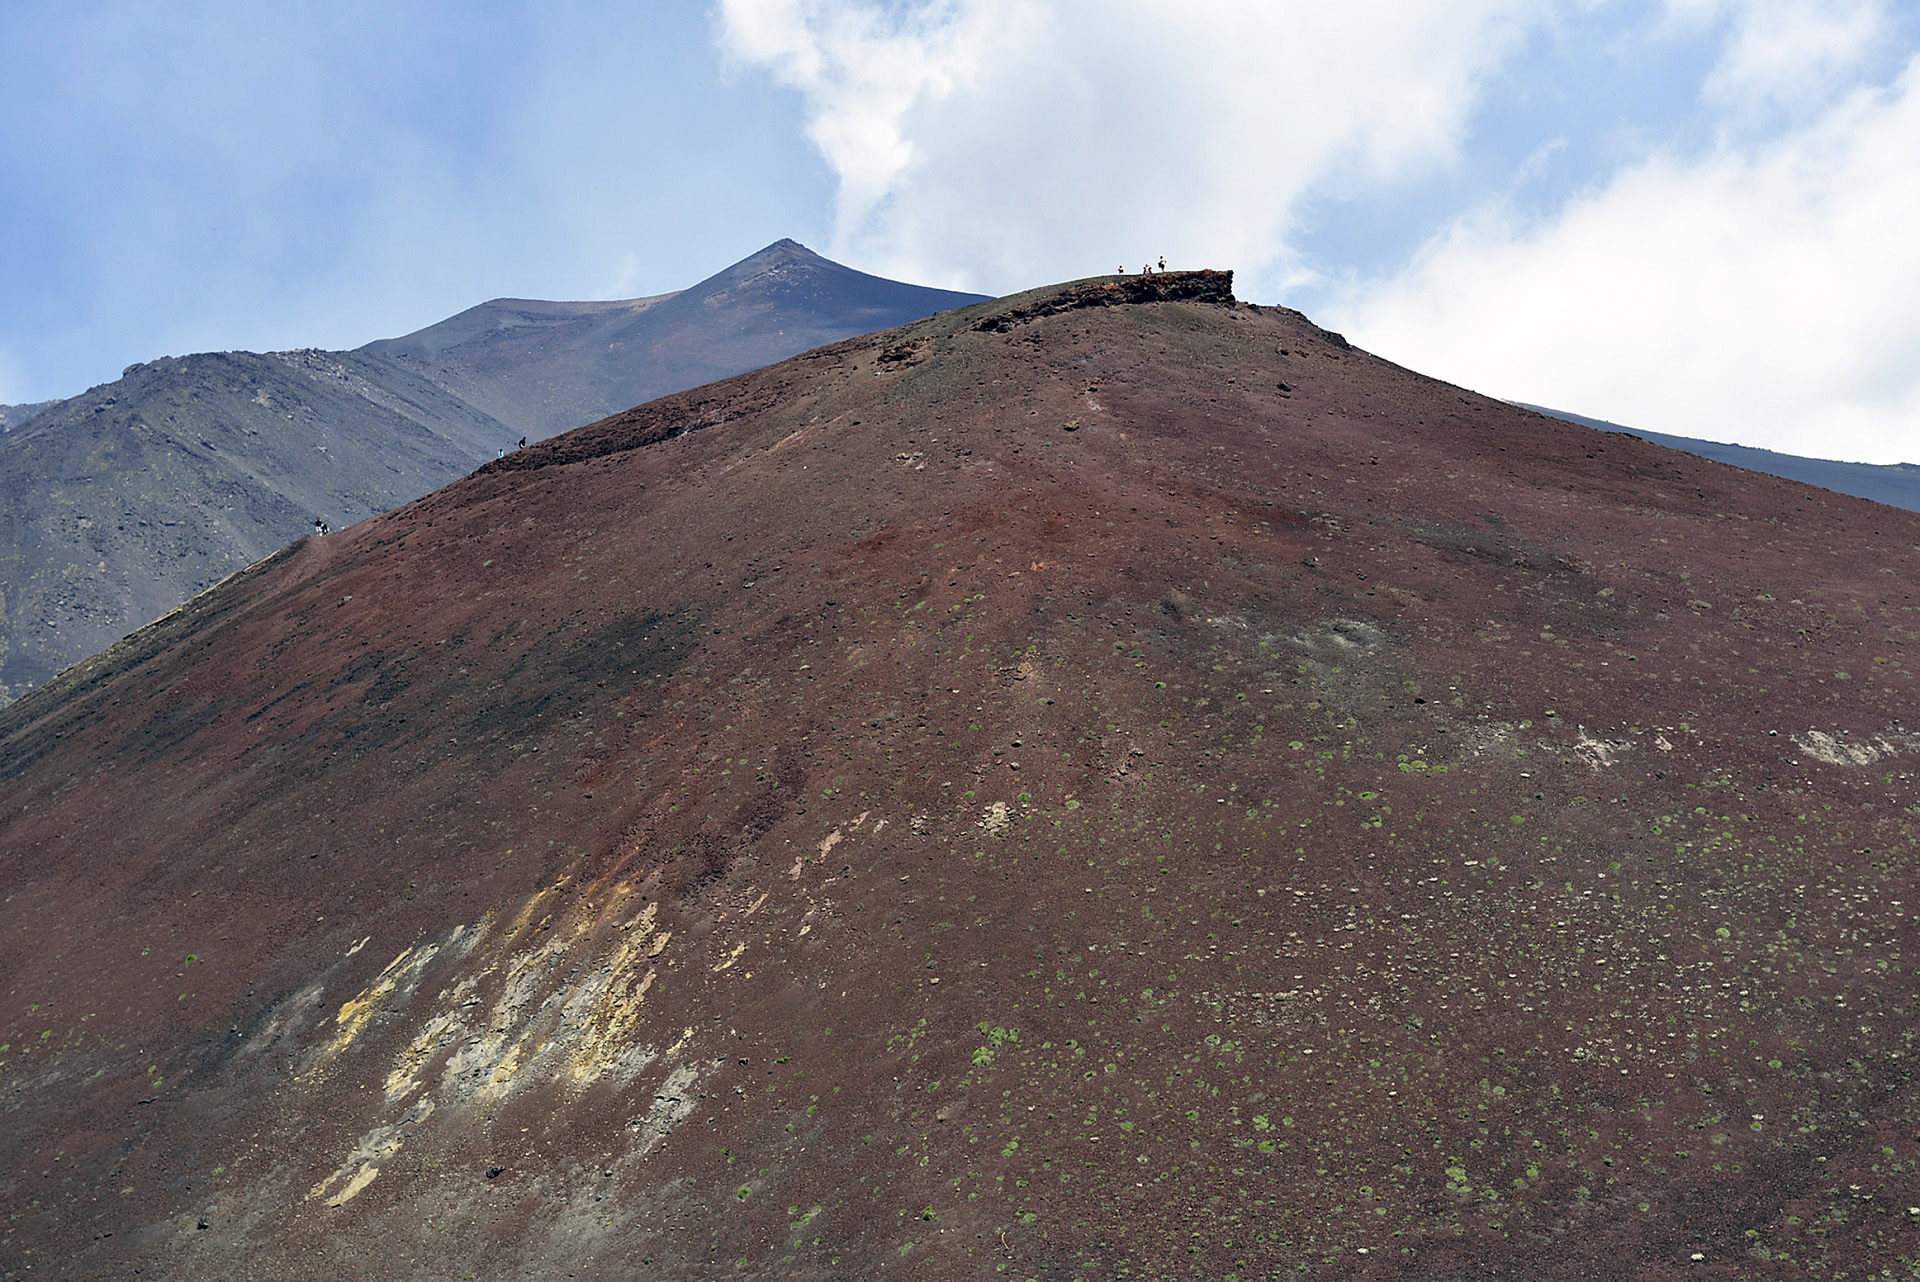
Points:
[(1785, 54), (996, 143), (864, 72), (1766, 293), (1765, 289)]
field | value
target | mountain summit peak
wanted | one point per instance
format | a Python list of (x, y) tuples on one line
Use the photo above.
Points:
[(788, 245)]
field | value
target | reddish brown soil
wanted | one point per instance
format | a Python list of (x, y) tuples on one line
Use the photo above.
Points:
[(1117, 791)]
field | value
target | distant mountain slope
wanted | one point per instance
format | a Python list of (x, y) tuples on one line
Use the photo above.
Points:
[(1895, 484), (15, 416), (516, 358), (546, 367), (125, 501)]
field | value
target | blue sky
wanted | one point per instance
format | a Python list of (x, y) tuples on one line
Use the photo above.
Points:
[(1693, 216)]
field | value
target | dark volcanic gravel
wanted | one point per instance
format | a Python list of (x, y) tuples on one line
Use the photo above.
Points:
[(1085, 786)]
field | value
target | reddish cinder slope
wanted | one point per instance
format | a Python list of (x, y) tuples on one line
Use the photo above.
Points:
[(1109, 782)]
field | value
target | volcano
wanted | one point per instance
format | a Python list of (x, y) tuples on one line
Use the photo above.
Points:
[(1107, 782)]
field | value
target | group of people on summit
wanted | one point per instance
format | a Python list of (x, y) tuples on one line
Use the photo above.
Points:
[(1147, 270)]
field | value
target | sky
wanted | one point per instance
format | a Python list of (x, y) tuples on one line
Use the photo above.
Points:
[(1688, 216)]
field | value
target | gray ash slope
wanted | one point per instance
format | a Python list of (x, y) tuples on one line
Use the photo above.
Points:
[(14, 417), (132, 497)]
